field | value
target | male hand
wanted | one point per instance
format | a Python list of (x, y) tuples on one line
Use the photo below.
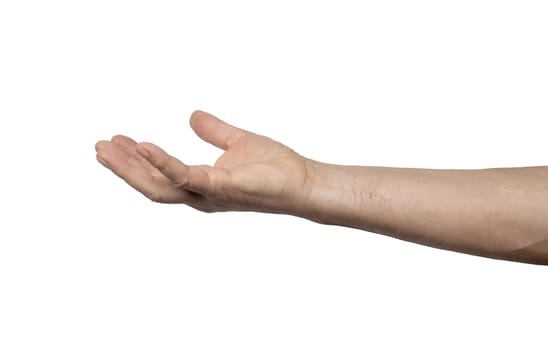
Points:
[(254, 173)]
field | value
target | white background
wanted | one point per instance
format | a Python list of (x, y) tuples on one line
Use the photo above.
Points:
[(87, 263)]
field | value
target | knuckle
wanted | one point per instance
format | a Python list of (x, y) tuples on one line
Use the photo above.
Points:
[(155, 197), (181, 181), (203, 183)]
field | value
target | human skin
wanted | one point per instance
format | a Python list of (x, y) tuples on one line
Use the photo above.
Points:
[(498, 213)]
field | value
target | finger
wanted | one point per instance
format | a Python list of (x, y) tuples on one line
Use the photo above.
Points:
[(129, 145), (100, 144), (215, 131), (108, 150), (112, 156), (126, 154), (192, 178)]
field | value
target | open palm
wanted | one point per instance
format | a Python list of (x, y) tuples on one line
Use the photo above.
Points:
[(254, 172)]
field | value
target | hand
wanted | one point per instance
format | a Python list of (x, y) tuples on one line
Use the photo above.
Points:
[(254, 173)]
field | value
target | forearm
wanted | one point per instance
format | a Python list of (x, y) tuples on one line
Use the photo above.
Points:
[(500, 213)]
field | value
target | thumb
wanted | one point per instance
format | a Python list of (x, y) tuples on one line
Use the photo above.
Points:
[(215, 131)]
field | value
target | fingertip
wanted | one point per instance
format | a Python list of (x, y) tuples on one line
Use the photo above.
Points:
[(197, 113), (100, 145), (144, 149), (149, 150), (148, 145), (214, 130), (121, 139), (101, 159), (115, 138), (195, 117)]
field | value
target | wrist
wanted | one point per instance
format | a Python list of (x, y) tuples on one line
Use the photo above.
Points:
[(336, 194)]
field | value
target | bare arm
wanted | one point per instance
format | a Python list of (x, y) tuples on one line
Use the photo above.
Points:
[(498, 213)]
